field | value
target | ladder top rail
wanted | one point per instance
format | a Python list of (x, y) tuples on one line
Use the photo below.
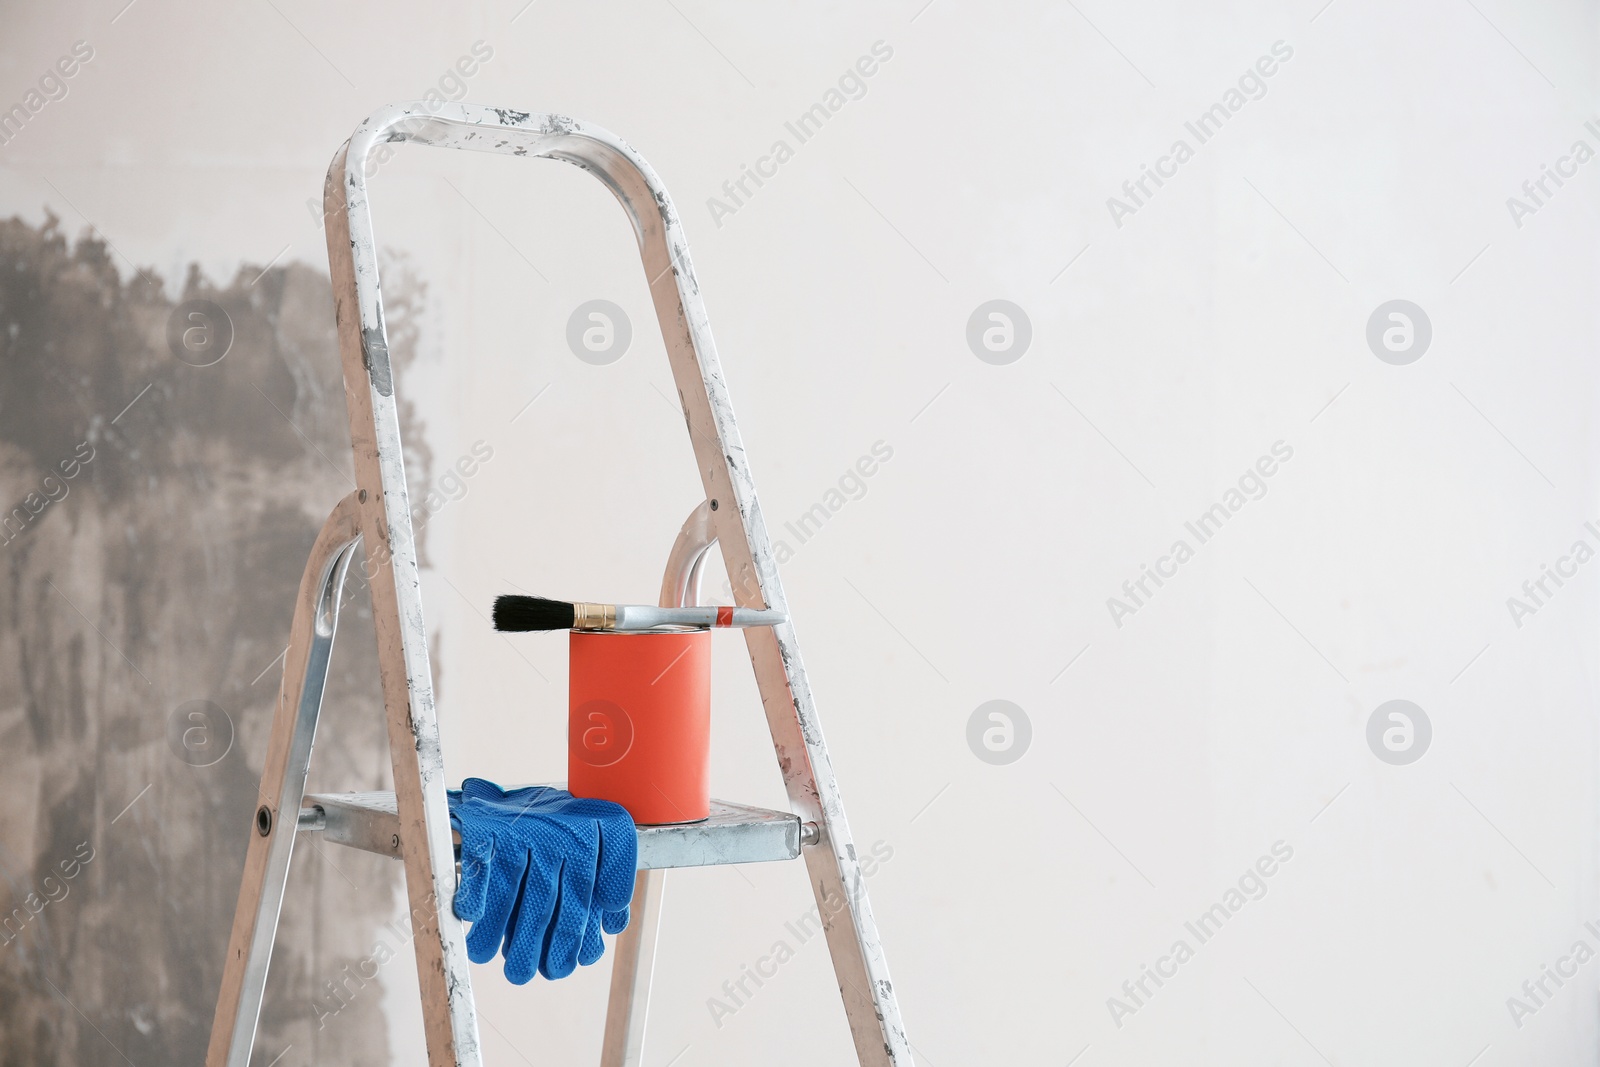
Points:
[(663, 248), (516, 133)]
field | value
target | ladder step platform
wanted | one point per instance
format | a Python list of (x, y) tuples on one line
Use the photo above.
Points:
[(734, 833)]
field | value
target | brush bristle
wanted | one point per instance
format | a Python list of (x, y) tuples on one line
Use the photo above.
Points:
[(514, 613)]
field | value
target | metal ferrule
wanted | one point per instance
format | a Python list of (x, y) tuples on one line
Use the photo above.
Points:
[(594, 616)]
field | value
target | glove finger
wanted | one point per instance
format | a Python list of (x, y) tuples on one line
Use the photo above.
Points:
[(525, 937), (544, 950), (619, 861), (572, 913), (615, 921), (505, 881), (476, 857), (481, 789), (592, 946)]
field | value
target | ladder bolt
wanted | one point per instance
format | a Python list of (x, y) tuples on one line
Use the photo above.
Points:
[(263, 820)]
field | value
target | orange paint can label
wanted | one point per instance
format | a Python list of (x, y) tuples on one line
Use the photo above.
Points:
[(639, 722)]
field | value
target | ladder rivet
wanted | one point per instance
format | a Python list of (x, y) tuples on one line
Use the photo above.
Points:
[(713, 505), (263, 820), (395, 840), (362, 496)]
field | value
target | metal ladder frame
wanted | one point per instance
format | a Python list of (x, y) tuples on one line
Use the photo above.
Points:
[(378, 512)]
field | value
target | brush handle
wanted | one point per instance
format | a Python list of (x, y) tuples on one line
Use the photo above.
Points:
[(640, 617)]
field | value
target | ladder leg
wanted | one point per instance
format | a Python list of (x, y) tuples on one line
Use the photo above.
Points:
[(635, 959), (449, 1018), (835, 871), (283, 785), (832, 863), (634, 953)]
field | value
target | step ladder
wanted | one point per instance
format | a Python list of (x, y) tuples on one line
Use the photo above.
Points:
[(412, 824)]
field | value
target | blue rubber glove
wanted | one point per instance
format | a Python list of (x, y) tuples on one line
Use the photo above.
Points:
[(542, 873)]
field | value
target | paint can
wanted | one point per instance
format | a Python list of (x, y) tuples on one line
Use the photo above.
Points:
[(639, 722)]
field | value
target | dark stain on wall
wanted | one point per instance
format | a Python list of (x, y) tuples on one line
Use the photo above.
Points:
[(157, 519)]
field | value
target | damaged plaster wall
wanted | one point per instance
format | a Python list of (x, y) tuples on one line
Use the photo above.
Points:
[(157, 519)]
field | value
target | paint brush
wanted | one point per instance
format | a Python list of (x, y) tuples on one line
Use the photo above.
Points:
[(519, 613)]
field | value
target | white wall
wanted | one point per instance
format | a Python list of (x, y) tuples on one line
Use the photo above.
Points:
[(1228, 313)]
